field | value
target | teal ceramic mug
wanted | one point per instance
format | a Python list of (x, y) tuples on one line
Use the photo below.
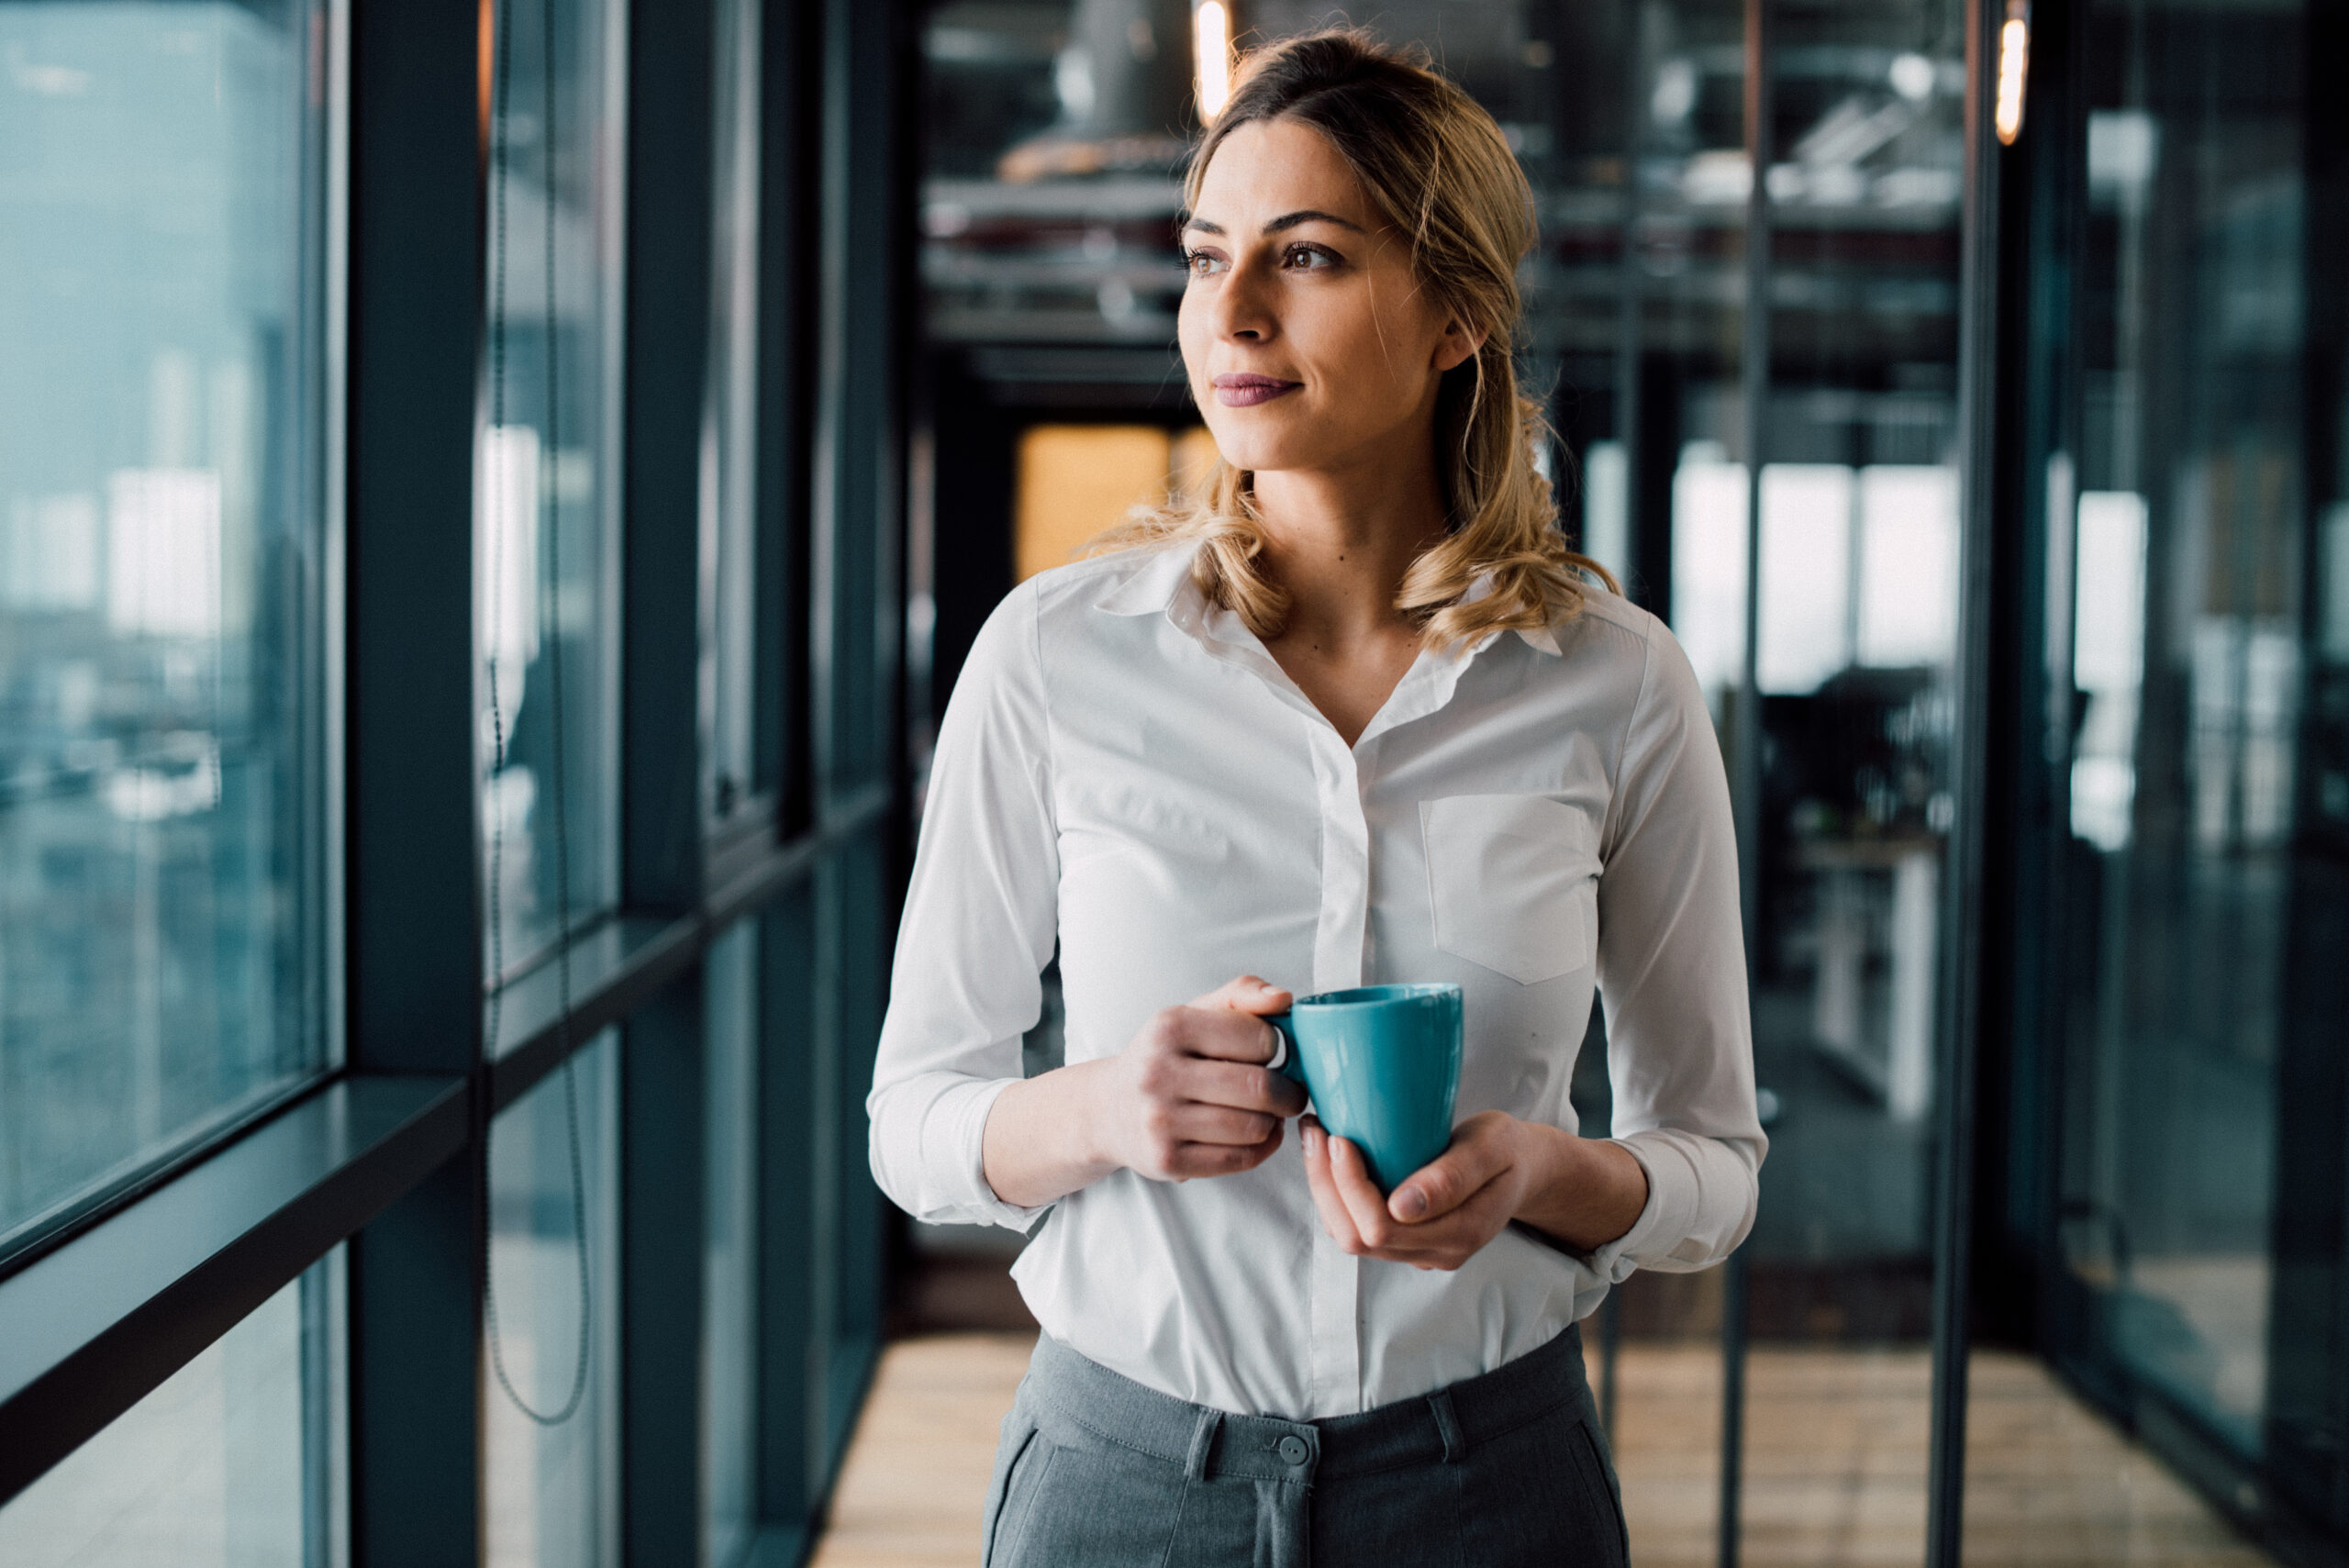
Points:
[(1382, 1064)]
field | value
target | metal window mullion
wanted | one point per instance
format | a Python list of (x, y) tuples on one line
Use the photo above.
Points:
[(1962, 914), (669, 204), (1745, 776), (414, 901)]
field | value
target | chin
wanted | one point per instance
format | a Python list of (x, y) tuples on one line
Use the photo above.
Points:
[(1253, 446)]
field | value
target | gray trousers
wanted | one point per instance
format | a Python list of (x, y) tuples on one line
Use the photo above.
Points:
[(1498, 1470)]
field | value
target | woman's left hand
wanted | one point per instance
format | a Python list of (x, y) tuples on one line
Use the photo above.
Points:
[(1585, 1192), (1445, 1213)]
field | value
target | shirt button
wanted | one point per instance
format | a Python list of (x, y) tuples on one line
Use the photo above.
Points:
[(1293, 1449)]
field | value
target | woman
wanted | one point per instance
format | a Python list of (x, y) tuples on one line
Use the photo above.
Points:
[(1357, 715)]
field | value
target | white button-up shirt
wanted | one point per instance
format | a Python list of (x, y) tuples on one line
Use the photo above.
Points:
[(1126, 770)]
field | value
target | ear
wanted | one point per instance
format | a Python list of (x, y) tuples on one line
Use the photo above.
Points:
[(1456, 345)]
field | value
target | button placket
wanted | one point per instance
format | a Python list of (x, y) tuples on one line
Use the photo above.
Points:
[(1336, 965)]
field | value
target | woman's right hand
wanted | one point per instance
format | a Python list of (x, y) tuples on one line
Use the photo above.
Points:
[(1189, 1095)]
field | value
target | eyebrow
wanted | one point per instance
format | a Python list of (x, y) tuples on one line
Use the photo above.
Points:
[(1286, 220)]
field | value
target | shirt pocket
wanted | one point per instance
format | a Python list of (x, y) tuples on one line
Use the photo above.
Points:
[(1513, 881)]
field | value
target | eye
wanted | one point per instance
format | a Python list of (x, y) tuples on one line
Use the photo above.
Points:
[(1304, 258), (1203, 263)]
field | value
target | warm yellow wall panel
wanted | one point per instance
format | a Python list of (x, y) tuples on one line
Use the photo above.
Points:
[(1076, 480)]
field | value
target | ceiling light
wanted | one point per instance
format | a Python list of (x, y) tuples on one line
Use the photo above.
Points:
[(1211, 57)]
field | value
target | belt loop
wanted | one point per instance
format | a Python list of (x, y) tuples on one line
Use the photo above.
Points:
[(1195, 1464), (1447, 1426)]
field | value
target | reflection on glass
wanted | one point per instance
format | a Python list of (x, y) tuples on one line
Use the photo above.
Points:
[(160, 536), (2186, 639), (222, 1466), (730, 435), (545, 492), (550, 1484), (730, 1255)]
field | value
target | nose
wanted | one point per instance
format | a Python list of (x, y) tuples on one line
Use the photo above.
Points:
[(1242, 311)]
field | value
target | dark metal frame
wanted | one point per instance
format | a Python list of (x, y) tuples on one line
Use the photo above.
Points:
[(386, 1156)]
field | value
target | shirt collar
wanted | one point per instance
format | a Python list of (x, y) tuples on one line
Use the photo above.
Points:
[(1158, 575), (1161, 580)]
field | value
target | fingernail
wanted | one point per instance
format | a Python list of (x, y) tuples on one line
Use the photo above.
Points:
[(1409, 1204), (1266, 985), (1313, 1142)]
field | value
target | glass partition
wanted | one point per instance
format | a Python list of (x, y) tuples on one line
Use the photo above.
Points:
[(232, 1462), (2186, 602), (547, 479), (162, 792), (549, 1375), (730, 1255), (731, 567)]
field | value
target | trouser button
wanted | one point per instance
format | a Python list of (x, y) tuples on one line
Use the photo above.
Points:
[(1292, 1449)]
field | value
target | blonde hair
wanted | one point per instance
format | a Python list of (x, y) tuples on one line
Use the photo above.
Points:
[(1440, 171)]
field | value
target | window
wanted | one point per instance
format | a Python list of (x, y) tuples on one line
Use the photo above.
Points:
[(730, 1256), (227, 1464), (546, 482), (549, 1385), (730, 566), (162, 837)]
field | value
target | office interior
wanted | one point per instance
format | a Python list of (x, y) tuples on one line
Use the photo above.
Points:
[(494, 498)]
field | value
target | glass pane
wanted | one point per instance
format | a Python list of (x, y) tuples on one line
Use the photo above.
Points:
[(731, 437), (160, 828), (227, 1462), (729, 1257), (547, 479), (550, 1382), (2187, 642), (1858, 594)]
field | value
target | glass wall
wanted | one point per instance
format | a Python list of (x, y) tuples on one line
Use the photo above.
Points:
[(2188, 467), (546, 489), (314, 414), (729, 545), (162, 541), (730, 1256), (1744, 311), (549, 1393), (232, 1462)]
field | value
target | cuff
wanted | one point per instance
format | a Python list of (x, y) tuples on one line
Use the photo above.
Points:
[(970, 1136), (1666, 1220)]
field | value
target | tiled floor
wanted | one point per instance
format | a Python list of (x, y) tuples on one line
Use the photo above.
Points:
[(1835, 1469)]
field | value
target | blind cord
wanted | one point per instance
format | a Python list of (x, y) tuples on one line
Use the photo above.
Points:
[(547, 606)]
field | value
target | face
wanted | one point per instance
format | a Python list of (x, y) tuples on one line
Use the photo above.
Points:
[(1309, 343)]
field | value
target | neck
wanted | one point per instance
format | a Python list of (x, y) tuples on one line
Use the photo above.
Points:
[(1339, 542)]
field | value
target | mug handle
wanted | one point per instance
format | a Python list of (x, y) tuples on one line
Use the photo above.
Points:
[(1285, 1059)]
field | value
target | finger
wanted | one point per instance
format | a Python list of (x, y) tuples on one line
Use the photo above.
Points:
[(1218, 1124), (1446, 1182), (1245, 993), (1231, 1034), (1242, 1086), (1451, 1239), (1349, 1175), (1191, 1160), (1336, 1219)]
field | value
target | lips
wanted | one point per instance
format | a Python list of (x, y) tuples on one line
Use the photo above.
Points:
[(1245, 391)]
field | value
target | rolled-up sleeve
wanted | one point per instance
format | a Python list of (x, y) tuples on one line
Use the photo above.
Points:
[(1672, 978), (979, 930)]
